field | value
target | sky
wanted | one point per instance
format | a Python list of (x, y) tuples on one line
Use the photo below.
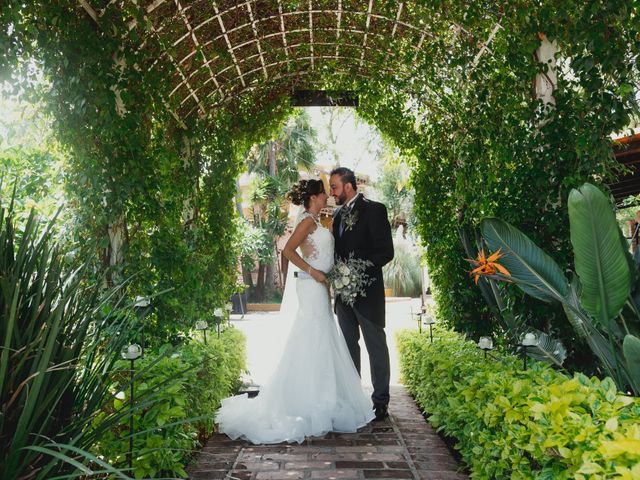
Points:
[(357, 143)]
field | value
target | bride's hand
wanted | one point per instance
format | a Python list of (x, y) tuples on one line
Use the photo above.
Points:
[(318, 276)]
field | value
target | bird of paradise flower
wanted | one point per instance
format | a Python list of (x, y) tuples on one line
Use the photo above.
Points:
[(486, 266)]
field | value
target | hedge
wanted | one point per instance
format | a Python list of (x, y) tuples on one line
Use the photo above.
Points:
[(510, 423), (177, 391)]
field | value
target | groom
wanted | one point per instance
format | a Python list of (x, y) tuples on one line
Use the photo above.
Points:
[(361, 227)]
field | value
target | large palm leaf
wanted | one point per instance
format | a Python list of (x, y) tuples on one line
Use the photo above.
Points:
[(599, 258), (535, 272), (292, 150)]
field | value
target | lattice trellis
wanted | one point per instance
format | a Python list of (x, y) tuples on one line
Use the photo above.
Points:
[(220, 49)]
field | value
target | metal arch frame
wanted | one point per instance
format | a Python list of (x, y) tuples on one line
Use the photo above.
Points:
[(251, 57), (185, 77), (396, 21), (172, 19), (228, 42), (196, 43), (282, 62), (273, 17), (274, 34), (272, 80)]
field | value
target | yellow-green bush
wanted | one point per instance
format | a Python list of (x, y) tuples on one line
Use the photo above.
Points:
[(517, 424)]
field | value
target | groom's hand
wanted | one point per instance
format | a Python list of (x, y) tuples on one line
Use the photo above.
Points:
[(318, 276)]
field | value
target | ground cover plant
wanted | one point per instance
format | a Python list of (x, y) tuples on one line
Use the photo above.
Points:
[(510, 423), (186, 384)]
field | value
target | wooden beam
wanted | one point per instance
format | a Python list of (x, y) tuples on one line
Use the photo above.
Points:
[(89, 9), (323, 98)]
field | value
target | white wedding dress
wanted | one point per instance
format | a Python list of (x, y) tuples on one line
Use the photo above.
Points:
[(315, 388)]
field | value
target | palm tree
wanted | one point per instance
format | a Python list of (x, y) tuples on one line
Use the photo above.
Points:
[(277, 164)]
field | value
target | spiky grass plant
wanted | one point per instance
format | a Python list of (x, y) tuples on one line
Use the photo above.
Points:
[(60, 336), (403, 274)]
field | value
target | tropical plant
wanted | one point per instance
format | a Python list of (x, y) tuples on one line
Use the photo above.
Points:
[(395, 189), (276, 164), (602, 301), (60, 337), (31, 161), (513, 326)]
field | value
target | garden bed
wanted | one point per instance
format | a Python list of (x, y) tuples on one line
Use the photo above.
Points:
[(177, 392), (510, 423)]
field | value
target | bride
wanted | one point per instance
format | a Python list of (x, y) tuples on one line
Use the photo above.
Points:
[(315, 388)]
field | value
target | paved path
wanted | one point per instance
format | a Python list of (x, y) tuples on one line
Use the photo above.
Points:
[(403, 446)]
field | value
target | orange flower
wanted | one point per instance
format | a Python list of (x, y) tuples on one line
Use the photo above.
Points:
[(487, 265)]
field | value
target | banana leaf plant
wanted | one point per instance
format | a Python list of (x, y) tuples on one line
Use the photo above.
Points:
[(602, 298), (548, 349)]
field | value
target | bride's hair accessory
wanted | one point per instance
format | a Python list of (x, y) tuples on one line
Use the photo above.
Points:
[(302, 191)]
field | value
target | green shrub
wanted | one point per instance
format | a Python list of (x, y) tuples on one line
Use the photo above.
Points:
[(187, 384), (517, 424)]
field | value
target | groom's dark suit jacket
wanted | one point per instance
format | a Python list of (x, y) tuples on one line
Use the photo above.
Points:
[(369, 239)]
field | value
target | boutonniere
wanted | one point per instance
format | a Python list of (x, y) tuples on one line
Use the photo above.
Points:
[(350, 219)]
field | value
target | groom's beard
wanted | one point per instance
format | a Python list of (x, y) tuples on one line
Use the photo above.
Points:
[(342, 199)]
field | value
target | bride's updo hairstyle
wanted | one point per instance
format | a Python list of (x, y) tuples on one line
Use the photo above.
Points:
[(302, 191)]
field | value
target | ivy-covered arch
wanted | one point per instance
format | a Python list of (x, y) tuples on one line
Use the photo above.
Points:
[(160, 99)]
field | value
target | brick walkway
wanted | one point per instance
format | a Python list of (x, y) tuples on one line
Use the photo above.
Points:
[(403, 446)]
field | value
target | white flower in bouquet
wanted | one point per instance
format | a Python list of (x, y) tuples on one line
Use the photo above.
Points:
[(349, 279), (218, 312)]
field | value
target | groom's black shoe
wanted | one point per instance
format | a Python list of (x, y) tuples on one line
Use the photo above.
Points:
[(381, 411)]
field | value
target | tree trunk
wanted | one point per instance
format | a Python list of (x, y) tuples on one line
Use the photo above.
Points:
[(272, 267), (260, 285), (190, 164), (114, 253), (270, 272)]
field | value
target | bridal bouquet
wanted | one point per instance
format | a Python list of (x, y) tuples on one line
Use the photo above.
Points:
[(349, 280)]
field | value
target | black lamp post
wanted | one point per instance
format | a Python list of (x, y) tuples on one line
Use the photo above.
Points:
[(203, 326), (218, 314), (229, 308), (418, 319), (528, 340), (430, 321), (132, 353)]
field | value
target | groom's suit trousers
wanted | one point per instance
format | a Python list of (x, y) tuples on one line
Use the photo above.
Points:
[(351, 322)]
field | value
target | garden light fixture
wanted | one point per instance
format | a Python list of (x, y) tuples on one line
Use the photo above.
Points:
[(203, 325), (142, 307), (132, 353), (418, 319), (528, 340), (218, 314), (485, 344), (429, 321)]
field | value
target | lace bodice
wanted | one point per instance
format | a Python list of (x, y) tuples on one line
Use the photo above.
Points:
[(317, 248)]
